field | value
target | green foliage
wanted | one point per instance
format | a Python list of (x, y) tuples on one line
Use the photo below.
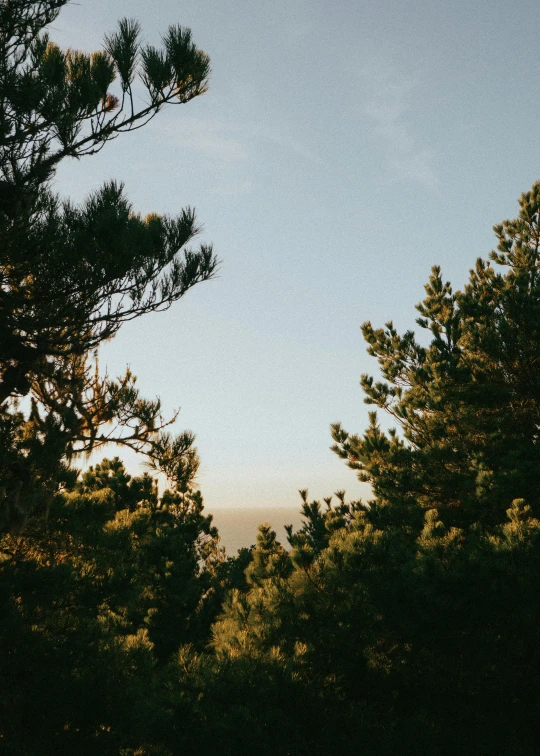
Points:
[(395, 639), (314, 535), (71, 275), (408, 624), (59, 103), (268, 559), (467, 404), (95, 600)]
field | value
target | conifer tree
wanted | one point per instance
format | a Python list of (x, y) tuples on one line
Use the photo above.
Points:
[(71, 275), (467, 405)]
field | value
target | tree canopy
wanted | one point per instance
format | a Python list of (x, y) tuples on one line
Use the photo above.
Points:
[(405, 624), (466, 405), (71, 275), (409, 623)]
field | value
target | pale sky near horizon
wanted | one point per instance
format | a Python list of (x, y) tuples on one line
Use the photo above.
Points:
[(342, 150)]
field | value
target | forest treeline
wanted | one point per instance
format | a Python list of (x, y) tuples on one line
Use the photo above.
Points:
[(407, 624)]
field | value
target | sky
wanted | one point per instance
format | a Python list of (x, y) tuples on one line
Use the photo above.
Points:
[(342, 150)]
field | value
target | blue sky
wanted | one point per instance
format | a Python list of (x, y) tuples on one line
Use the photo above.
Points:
[(342, 150)]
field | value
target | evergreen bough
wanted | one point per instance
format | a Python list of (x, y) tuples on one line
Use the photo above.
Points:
[(71, 275)]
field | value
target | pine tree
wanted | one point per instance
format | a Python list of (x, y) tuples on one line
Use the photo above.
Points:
[(467, 405), (71, 275)]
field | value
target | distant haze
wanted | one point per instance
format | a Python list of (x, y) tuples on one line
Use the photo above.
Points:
[(238, 526)]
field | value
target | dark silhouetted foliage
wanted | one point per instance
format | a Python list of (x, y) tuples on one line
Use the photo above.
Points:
[(71, 275)]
